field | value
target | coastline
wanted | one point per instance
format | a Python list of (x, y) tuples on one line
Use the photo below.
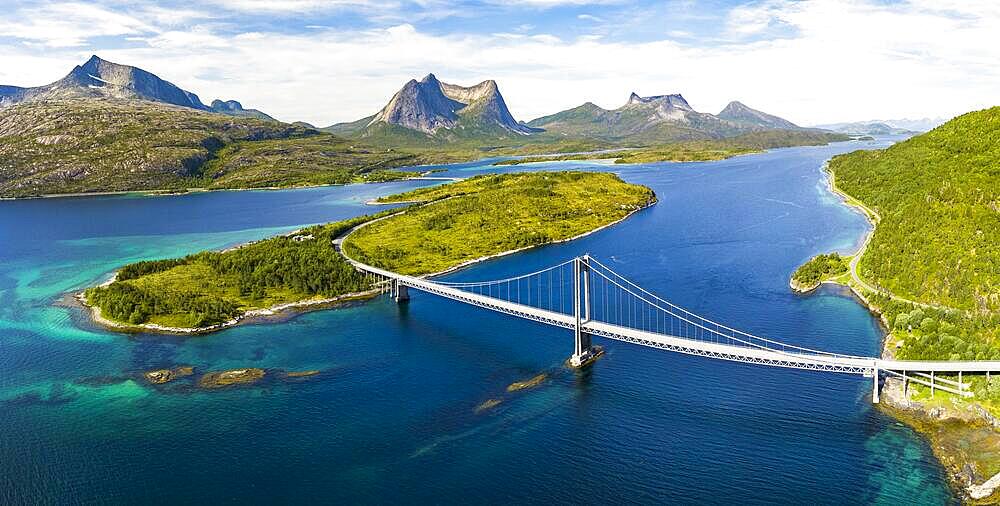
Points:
[(949, 427), (300, 306), (419, 176)]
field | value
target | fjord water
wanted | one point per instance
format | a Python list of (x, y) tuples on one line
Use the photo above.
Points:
[(393, 417)]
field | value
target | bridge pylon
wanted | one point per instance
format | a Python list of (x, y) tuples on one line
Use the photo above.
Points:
[(584, 351)]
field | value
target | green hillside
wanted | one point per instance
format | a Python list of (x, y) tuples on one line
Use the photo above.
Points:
[(96, 145), (939, 198), (938, 240)]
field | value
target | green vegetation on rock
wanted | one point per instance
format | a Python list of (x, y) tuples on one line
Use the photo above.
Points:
[(304, 161), (491, 214), (939, 198), (818, 269)]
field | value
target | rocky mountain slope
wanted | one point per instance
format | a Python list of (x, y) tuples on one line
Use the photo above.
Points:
[(75, 145), (99, 78), (737, 112), (433, 110)]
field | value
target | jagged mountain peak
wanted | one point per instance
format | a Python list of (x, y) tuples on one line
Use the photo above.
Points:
[(100, 78), (429, 105), (675, 100)]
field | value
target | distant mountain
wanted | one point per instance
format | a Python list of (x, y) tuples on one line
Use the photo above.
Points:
[(659, 118), (234, 108), (738, 112), (917, 125), (865, 128), (99, 78), (433, 109)]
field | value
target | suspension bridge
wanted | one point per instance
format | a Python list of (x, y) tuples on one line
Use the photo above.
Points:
[(589, 299)]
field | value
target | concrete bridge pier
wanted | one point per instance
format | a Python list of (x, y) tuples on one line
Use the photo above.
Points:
[(400, 292), (875, 387), (584, 351)]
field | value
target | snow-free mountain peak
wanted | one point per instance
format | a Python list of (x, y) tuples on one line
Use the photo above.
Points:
[(430, 105), (739, 112), (99, 78)]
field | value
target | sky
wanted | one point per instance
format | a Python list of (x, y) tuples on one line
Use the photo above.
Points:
[(327, 61)]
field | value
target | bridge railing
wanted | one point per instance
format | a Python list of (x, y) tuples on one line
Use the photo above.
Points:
[(611, 298)]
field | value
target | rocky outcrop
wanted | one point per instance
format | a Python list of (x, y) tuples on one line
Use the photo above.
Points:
[(161, 376)]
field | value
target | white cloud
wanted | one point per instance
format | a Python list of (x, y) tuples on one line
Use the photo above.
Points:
[(843, 61), (69, 24)]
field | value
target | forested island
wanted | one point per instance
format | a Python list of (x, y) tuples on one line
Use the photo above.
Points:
[(930, 270), (210, 290), (818, 269)]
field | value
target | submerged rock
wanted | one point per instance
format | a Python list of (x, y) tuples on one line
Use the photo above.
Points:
[(487, 405), (529, 383), (161, 376), (302, 374), (231, 377)]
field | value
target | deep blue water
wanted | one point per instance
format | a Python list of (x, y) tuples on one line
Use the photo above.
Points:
[(392, 417)]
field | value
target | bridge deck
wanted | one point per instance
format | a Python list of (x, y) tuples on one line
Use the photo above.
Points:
[(718, 350)]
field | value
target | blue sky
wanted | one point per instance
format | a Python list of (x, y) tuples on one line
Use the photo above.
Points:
[(322, 61)]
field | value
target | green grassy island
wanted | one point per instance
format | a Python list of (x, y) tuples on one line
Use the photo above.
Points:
[(210, 290), (493, 214), (930, 269)]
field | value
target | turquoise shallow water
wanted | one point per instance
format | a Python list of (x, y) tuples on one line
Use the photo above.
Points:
[(392, 416)]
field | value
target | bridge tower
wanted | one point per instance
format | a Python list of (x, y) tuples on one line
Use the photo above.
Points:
[(583, 351)]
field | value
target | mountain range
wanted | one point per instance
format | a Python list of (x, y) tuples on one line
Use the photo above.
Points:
[(658, 119), (866, 128), (886, 126), (433, 111), (111, 127), (99, 78)]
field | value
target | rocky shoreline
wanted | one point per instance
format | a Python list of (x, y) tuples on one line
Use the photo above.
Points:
[(954, 430)]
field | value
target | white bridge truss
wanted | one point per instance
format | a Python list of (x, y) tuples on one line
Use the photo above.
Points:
[(588, 298)]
